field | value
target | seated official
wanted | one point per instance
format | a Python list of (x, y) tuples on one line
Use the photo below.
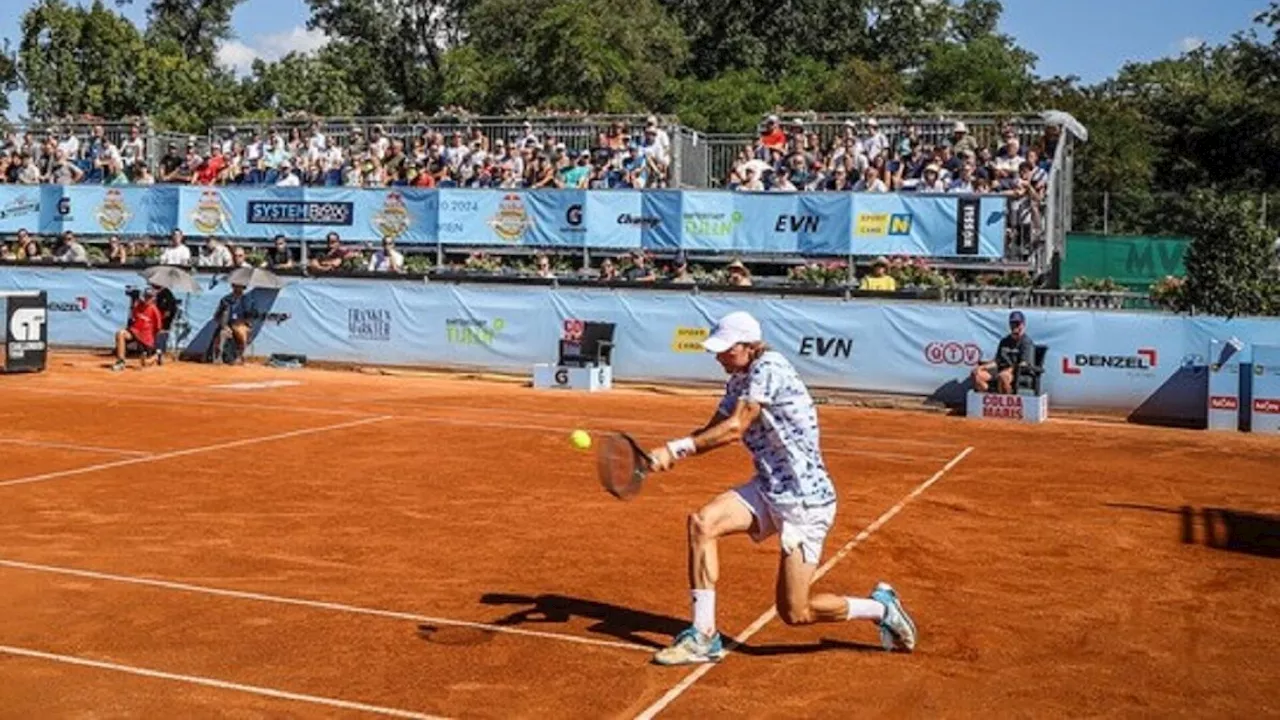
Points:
[(232, 319), (145, 321), (879, 280), (1015, 351)]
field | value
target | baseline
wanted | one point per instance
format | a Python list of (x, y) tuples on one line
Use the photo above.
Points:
[(755, 627), (69, 446), (190, 451), (316, 604), (215, 683)]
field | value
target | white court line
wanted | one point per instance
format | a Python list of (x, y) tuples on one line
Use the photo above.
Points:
[(317, 604), (215, 683), (68, 446), (108, 394), (755, 627), (494, 424), (190, 451)]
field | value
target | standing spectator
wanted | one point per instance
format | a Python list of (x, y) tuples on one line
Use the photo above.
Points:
[(388, 259), (144, 322), (961, 141), (177, 253), (134, 152), (64, 171), (70, 250), (874, 143)]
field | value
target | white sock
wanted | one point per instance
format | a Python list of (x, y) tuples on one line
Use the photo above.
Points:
[(704, 611), (864, 609)]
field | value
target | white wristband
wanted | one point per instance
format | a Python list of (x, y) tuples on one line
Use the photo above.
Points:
[(682, 448)]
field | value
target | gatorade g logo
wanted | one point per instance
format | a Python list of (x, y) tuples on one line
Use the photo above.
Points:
[(573, 215), (562, 376), (27, 324)]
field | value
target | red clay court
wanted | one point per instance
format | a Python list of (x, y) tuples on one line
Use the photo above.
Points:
[(330, 544)]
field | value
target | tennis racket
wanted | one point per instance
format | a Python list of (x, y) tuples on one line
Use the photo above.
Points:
[(622, 465)]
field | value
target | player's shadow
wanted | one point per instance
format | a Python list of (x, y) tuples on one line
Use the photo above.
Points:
[(1239, 531), (633, 626)]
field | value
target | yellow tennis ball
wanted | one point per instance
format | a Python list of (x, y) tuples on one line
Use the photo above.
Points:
[(580, 439)]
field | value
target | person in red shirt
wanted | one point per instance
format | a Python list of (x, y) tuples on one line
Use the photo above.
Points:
[(211, 169), (144, 322), (772, 136)]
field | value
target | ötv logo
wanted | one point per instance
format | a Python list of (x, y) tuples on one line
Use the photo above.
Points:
[(26, 325), (826, 347)]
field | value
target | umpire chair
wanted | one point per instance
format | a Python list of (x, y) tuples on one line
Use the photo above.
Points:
[(1029, 377)]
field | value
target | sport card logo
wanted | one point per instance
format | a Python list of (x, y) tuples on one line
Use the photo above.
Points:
[(393, 220), (113, 214), (512, 219), (210, 214), (689, 339), (953, 353)]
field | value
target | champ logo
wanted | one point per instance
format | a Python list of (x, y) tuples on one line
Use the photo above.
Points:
[(393, 219), (512, 219), (80, 305), (882, 224), (1266, 406), (1006, 407), (210, 216), (369, 324), (689, 339), (642, 221), (113, 214), (1224, 402), (26, 326), (465, 331), (952, 353), (1144, 360)]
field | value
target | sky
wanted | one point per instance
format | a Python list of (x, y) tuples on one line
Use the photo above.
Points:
[(1090, 39)]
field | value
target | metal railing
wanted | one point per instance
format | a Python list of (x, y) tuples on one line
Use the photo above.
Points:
[(987, 296), (117, 131)]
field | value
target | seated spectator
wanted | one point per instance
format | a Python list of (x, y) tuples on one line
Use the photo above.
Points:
[(170, 163), (932, 180), (750, 182), (839, 180), (177, 253), (216, 254), (680, 274), (232, 319), (388, 259), (738, 274), (1015, 351), (640, 270), (871, 182), (239, 258), (209, 172), (117, 253), (879, 280), (70, 250), (27, 247), (64, 171), (280, 257), (608, 271), (332, 257), (145, 321), (542, 266)]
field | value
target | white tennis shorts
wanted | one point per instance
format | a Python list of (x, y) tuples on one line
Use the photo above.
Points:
[(798, 527)]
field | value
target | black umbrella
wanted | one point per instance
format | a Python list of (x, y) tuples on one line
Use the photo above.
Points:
[(176, 279), (252, 277)]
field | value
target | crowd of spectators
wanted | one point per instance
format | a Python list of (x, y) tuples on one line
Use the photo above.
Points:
[(296, 157), (786, 157)]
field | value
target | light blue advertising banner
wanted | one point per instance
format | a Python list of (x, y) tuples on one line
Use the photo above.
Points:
[(408, 216), (928, 225), (663, 225), (108, 210), (484, 217), (709, 221), (559, 218), (616, 219), (793, 223), (20, 208)]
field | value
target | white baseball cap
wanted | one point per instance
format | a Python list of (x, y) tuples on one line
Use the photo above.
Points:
[(734, 328)]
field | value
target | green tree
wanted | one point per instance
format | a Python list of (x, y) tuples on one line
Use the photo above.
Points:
[(8, 76), (1230, 267), (197, 26), (986, 73), (594, 55), (310, 83)]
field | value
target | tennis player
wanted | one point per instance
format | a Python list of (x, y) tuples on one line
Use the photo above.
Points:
[(769, 409)]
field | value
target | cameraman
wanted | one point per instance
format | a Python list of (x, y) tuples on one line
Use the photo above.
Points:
[(144, 322)]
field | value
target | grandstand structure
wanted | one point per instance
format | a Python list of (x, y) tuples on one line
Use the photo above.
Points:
[(619, 151)]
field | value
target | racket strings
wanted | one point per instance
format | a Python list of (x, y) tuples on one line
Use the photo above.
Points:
[(618, 466)]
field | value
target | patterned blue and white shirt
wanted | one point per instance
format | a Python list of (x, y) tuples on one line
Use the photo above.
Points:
[(784, 439)]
